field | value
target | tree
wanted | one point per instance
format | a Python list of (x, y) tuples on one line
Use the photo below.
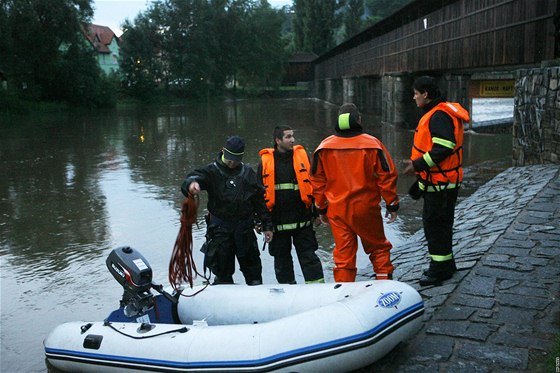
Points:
[(5, 44), (85, 84), (197, 47), (380, 9), (141, 61), (36, 31), (43, 44), (315, 22), (263, 49), (352, 17), (188, 46)]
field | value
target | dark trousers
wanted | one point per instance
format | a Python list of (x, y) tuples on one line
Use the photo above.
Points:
[(438, 217), (222, 250), (306, 244)]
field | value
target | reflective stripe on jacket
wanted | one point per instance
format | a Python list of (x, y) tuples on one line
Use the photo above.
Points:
[(292, 226), (301, 168), (448, 173)]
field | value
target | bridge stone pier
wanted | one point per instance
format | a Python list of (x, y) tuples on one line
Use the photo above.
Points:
[(349, 89), (391, 96), (473, 49), (536, 126), (331, 89), (397, 104), (536, 130), (364, 91)]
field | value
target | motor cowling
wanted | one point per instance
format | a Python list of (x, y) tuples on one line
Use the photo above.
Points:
[(134, 273)]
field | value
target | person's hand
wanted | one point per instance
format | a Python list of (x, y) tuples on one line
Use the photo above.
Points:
[(408, 167), (194, 188), (268, 236), (392, 216)]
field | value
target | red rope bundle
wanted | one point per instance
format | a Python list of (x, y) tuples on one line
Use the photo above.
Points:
[(182, 266)]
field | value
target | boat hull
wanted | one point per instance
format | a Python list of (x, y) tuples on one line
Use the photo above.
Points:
[(291, 328)]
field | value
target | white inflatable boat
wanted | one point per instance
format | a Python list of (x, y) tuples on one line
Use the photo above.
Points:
[(333, 327)]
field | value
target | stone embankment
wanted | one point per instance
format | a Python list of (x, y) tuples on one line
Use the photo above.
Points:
[(500, 312)]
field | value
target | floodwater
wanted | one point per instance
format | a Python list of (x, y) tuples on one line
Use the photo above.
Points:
[(75, 186)]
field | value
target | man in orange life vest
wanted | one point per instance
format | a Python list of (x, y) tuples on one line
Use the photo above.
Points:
[(285, 176), (437, 155), (351, 172)]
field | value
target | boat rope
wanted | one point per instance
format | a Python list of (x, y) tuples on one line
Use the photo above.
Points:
[(182, 267), (180, 330)]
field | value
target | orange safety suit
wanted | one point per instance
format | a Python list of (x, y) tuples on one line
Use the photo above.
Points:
[(301, 167), (350, 175), (448, 173)]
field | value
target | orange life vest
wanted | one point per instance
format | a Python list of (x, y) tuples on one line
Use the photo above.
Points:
[(447, 173), (301, 168)]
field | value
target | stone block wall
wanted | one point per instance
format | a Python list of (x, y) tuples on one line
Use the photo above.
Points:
[(536, 123), (364, 91), (397, 106), (368, 95)]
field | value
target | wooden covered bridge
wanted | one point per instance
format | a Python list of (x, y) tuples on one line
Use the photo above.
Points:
[(475, 48)]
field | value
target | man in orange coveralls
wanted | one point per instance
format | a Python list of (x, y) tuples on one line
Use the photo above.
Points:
[(351, 172)]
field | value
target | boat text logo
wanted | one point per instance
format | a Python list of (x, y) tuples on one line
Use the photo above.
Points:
[(389, 300), (118, 270)]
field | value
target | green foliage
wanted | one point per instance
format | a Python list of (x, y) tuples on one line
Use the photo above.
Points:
[(140, 63), (195, 48), (11, 104), (184, 48), (42, 46), (261, 64), (352, 17), (187, 48), (380, 9), (318, 25), (314, 24), (85, 83)]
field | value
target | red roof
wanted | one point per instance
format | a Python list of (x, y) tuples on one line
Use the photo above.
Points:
[(100, 37)]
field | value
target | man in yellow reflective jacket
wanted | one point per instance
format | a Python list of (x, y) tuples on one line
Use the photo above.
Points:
[(437, 156), (285, 175)]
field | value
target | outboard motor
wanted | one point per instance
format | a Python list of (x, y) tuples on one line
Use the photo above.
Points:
[(134, 273)]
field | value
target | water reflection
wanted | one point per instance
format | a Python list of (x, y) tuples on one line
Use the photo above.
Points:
[(75, 186), (42, 209)]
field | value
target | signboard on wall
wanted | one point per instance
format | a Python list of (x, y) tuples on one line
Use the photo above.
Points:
[(493, 88)]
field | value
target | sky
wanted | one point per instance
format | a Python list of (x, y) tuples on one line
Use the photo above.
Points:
[(112, 13)]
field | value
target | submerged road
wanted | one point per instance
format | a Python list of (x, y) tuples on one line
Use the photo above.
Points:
[(500, 312)]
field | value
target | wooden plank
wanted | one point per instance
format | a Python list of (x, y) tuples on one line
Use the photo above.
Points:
[(463, 34)]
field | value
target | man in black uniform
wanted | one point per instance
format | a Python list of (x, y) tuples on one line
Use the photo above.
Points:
[(285, 173), (235, 198)]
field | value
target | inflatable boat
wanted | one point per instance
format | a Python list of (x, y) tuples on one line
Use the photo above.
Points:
[(331, 327)]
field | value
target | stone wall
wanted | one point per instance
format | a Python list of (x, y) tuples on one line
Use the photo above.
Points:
[(536, 123), (397, 105), (368, 95), (330, 90)]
